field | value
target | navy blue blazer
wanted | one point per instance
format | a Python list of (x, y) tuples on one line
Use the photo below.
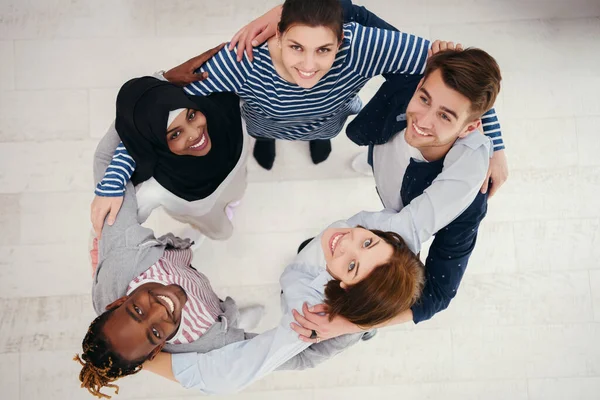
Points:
[(378, 121)]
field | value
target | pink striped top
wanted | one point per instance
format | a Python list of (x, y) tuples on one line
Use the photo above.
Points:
[(202, 307)]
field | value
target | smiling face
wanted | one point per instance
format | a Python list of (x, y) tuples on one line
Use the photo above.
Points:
[(145, 319), (352, 253), (307, 53), (436, 116), (187, 135)]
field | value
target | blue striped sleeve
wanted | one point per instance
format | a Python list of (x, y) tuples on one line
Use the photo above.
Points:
[(376, 51), (225, 74), (117, 174), (491, 129)]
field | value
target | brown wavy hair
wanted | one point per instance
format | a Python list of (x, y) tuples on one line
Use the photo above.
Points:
[(388, 290)]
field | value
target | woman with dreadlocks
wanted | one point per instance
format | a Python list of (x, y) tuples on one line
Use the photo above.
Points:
[(101, 366)]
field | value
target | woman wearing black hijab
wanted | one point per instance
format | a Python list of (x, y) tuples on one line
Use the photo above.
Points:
[(186, 154)]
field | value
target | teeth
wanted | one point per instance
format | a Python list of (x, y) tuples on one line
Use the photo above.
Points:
[(200, 143), (168, 301), (307, 74), (420, 132), (334, 243)]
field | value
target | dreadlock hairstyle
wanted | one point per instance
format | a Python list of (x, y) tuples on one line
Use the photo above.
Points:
[(101, 365)]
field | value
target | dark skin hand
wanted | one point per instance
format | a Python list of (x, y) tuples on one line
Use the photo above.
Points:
[(184, 74)]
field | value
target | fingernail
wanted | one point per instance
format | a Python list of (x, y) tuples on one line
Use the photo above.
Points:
[(254, 43), (311, 309), (111, 222)]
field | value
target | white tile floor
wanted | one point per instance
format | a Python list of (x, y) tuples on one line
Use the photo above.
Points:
[(526, 322)]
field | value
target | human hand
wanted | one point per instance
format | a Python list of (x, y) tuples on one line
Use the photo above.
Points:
[(498, 172), (255, 33), (318, 320), (184, 74), (441, 45), (101, 206), (94, 255)]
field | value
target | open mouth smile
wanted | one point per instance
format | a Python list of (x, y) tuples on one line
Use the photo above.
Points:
[(200, 143), (306, 75), (419, 131), (333, 242), (167, 303)]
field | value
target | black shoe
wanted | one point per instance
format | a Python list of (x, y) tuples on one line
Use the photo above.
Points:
[(264, 152), (303, 244), (369, 335), (319, 150)]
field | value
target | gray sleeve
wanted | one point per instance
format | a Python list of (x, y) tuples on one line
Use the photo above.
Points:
[(319, 352), (126, 223), (104, 152)]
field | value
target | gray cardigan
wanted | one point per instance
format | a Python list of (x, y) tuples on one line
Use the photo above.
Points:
[(127, 249)]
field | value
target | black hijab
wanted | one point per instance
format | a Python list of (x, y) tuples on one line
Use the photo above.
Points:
[(143, 106)]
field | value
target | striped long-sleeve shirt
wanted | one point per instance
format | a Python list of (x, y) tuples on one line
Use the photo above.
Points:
[(277, 109), (491, 128), (117, 174)]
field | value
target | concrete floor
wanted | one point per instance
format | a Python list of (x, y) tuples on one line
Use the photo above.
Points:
[(526, 321)]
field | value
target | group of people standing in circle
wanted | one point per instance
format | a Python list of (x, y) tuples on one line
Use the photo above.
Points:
[(181, 141)]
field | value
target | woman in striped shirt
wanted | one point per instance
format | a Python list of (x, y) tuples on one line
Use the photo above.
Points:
[(304, 83)]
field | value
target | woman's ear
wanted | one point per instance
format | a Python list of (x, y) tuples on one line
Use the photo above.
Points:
[(117, 303)]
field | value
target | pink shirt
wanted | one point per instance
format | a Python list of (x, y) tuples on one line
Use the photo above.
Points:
[(202, 307)]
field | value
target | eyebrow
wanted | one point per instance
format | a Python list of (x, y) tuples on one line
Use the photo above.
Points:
[(446, 109), (301, 45), (133, 315), (138, 320), (358, 264)]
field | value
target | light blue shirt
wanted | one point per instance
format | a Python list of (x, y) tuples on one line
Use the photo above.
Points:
[(451, 192), (233, 367), (237, 365)]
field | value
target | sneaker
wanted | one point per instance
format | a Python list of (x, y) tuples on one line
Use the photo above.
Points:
[(360, 164), (250, 317), (304, 244), (369, 335), (229, 209)]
